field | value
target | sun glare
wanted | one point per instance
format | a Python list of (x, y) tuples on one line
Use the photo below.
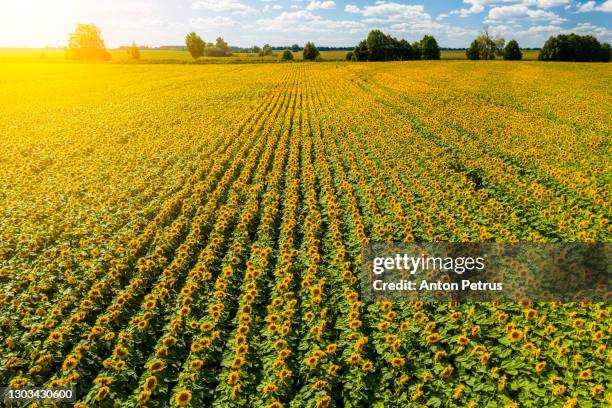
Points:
[(38, 23)]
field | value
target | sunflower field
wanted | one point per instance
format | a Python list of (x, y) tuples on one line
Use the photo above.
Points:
[(175, 235)]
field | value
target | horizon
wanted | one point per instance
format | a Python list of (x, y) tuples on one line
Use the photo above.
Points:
[(244, 23)]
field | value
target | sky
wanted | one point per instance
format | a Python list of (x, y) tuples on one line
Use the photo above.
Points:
[(39, 23)]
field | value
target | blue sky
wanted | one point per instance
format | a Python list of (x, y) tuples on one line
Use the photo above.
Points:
[(327, 22)]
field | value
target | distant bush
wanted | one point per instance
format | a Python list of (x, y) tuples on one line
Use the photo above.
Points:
[(311, 52), (214, 51), (287, 55), (349, 56), (512, 52), (134, 51), (266, 50), (573, 47)]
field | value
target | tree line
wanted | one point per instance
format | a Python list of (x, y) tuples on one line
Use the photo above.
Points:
[(379, 46), (86, 43)]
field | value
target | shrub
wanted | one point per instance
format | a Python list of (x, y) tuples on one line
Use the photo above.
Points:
[(311, 52), (134, 51), (512, 52), (349, 56), (287, 55)]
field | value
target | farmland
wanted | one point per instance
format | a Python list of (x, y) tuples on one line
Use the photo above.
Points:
[(181, 235)]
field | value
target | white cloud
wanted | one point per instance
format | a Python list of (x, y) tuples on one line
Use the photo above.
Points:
[(274, 7), (212, 22), (321, 5), (476, 6), (219, 6), (589, 6), (520, 12), (441, 17), (383, 11), (304, 21)]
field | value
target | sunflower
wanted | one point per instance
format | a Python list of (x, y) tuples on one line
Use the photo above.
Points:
[(150, 383), (515, 335), (182, 398)]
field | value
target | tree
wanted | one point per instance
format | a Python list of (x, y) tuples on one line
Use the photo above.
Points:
[(512, 52), (429, 48), (311, 52), (416, 49), (473, 52), (266, 50), (256, 49), (295, 48), (219, 49), (379, 46), (605, 53), (484, 47), (350, 56), (195, 45), (134, 51), (221, 44), (287, 55), (86, 43), (361, 51), (573, 47)]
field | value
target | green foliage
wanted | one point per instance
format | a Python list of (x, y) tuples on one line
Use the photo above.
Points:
[(429, 48), (573, 47), (350, 56), (512, 52), (416, 47), (287, 55), (311, 52), (484, 47), (382, 47), (295, 48), (86, 43), (266, 50), (195, 45), (256, 49), (219, 49)]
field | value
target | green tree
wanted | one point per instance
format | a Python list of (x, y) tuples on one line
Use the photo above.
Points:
[(295, 48), (311, 52), (195, 45), (416, 49), (350, 56), (287, 55), (512, 52), (429, 48), (484, 47), (86, 43), (134, 51), (573, 47), (221, 44), (361, 51), (256, 49), (266, 50), (473, 52)]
